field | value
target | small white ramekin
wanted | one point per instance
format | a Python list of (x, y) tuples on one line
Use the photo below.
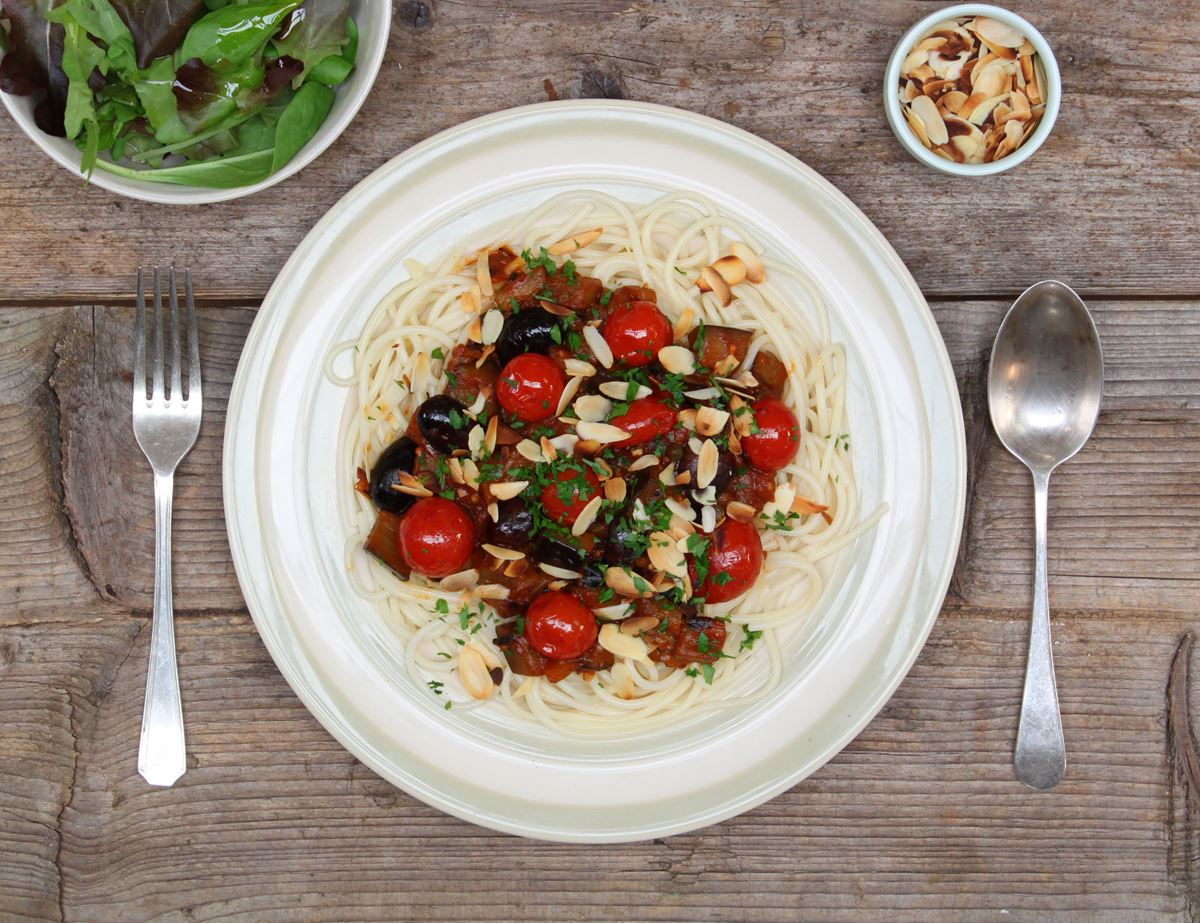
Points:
[(891, 96), (373, 18)]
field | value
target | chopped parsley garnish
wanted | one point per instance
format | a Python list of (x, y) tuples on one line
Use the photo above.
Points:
[(606, 296), (568, 272), (556, 334), (708, 671), (436, 686), (674, 385), (748, 639), (543, 259), (702, 643), (442, 607), (721, 578), (698, 342), (779, 522), (520, 624), (448, 705), (457, 420), (437, 353), (697, 547)]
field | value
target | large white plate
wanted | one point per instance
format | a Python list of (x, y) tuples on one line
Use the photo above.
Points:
[(284, 497)]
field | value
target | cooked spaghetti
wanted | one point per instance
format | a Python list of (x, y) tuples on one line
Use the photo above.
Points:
[(568, 458)]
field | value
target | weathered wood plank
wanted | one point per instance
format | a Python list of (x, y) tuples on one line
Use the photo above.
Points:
[(53, 681), (109, 493), (1134, 549), (40, 567), (1110, 203), (919, 818)]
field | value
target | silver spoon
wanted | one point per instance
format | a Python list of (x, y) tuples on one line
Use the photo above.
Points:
[(1044, 386)]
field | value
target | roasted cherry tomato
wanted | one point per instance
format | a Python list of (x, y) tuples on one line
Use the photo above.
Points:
[(530, 386), (777, 440), (436, 537), (560, 626), (573, 490), (733, 549), (636, 332), (647, 418)]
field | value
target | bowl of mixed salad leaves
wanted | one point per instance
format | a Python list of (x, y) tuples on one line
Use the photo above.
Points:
[(188, 101)]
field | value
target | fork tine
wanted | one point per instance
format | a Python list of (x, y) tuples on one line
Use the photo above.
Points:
[(176, 371), (158, 337), (193, 340), (139, 344)]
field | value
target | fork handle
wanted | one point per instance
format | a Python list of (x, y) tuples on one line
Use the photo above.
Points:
[(161, 754)]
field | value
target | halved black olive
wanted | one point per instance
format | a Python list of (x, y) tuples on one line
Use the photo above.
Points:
[(691, 460), (513, 528), (558, 554), (593, 576), (436, 418), (400, 457), (527, 331), (621, 545)]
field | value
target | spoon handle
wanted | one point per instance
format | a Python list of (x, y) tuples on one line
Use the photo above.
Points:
[(1040, 759)]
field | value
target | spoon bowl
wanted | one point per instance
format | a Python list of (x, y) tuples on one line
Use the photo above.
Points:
[(1044, 386), (1046, 376)]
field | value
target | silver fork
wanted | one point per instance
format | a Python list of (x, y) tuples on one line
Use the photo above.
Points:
[(166, 426)]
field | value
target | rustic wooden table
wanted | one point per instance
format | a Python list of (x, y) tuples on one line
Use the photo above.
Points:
[(920, 817)]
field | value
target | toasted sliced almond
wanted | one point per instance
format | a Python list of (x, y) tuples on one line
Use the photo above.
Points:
[(412, 487), (489, 437), (548, 450), (664, 556), (475, 331), (603, 433), (578, 368), (708, 518), (680, 528), (638, 624), (742, 512), (474, 675), (687, 417), (619, 390), (568, 395), (477, 405), (667, 475), (529, 449), (642, 463), (475, 440), (468, 303), (995, 32), (588, 447), (456, 471), (506, 490), (915, 123), (615, 490), (707, 463), (493, 509), (485, 355), (620, 682), (575, 242), (563, 444), (913, 60), (805, 507), (948, 67), (703, 394), (935, 128), (561, 573), (742, 416), (755, 273), (622, 645), (483, 275), (491, 591), (516, 568), (613, 613), (711, 281), (627, 583), (592, 408), (463, 580), (951, 103), (599, 346), (493, 323), (678, 360), (681, 327), (587, 516), (731, 269), (710, 420), (501, 553), (682, 510)]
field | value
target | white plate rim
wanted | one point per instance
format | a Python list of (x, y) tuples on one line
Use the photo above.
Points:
[(897, 670)]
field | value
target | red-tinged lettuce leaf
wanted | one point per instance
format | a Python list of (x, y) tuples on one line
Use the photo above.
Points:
[(158, 26), (33, 62)]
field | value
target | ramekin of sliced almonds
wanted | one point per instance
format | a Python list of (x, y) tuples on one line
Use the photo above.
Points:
[(972, 90)]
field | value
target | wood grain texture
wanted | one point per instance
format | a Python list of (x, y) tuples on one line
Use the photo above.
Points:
[(1111, 201), (921, 814)]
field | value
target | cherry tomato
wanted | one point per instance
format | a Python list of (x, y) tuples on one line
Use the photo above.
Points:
[(777, 440), (436, 537), (636, 332), (647, 418), (560, 626), (583, 486), (530, 386), (733, 549)]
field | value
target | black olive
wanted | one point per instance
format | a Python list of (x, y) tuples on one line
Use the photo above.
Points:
[(620, 546), (513, 528), (526, 331), (691, 460), (398, 458), (593, 576), (558, 554), (437, 429)]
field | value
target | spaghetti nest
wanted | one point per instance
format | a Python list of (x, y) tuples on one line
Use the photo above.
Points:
[(677, 248)]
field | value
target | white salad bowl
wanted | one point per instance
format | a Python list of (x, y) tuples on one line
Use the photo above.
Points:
[(373, 18), (905, 135)]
